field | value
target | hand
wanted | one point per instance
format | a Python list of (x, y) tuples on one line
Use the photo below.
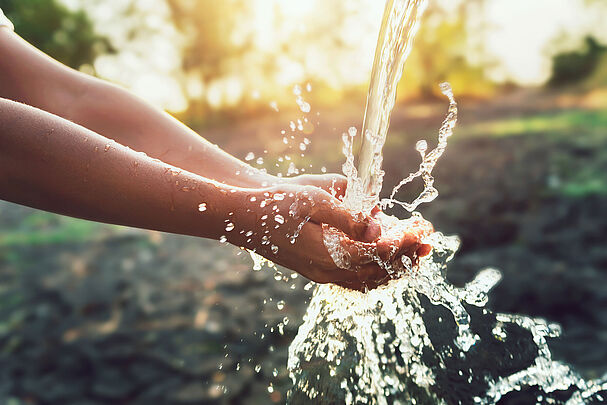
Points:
[(402, 238), (334, 184), (283, 224), (397, 250)]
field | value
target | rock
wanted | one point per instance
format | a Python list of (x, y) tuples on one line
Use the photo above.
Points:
[(192, 393), (111, 384)]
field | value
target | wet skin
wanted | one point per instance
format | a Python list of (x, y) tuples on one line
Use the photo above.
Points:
[(71, 148)]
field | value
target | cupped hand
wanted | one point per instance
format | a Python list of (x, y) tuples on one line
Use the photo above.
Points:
[(397, 250), (284, 224), (402, 237)]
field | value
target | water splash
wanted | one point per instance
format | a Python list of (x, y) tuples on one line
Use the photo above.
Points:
[(429, 160), (421, 340), (417, 339)]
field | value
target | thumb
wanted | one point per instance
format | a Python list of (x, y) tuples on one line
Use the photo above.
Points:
[(329, 210)]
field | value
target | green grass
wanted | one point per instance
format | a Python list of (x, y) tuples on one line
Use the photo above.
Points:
[(561, 131), (42, 228), (584, 188), (562, 134), (570, 122)]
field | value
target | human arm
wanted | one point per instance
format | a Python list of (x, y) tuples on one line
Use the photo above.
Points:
[(55, 165), (29, 76)]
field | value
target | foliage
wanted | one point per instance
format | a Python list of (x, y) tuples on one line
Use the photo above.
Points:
[(574, 140), (574, 66), (66, 35), (559, 124), (224, 42), (442, 53), (43, 228)]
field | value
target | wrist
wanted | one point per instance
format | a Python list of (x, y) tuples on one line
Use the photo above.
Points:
[(232, 214), (251, 177)]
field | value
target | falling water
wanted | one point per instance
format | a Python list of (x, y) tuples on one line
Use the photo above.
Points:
[(399, 26), (418, 339)]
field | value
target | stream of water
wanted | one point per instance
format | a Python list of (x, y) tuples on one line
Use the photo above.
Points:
[(418, 339)]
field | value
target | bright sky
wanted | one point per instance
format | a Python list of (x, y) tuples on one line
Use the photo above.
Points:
[(524, 30), (520, 35)]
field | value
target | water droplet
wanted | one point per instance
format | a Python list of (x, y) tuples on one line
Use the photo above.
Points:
[(250, 156), (279, 218), (280, 304), (304, 106), (292, 169), (274, 106), (274, 249), (223, 239), (302, 146), (229, 227), (258, 368), (279, 196), (421, 146), (406, 261), (106, 148), (259, 160), (202, 207)]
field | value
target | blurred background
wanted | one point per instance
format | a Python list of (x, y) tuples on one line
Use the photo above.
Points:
[(93, 314)]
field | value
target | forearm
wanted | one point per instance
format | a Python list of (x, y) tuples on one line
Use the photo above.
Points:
[(117, 114), (29, 76), (51, 164)]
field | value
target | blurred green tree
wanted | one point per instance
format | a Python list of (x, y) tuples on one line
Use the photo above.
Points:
[(223, 41), (448, 47), (209, 25), (575, 66), (66, 35)]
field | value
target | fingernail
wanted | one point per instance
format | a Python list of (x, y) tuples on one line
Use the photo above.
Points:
[(373, 231), (424, 250)]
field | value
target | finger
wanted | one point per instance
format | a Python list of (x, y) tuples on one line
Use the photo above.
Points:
[(368, 277), (387, 248), (321, 267), (335, 184), (328, 210), (424, 250), (355, 253), (335, 275)]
